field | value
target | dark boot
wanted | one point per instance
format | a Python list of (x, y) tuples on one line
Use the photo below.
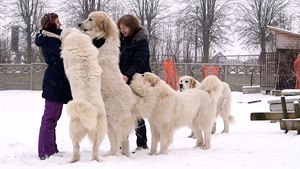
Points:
[(141, 134)]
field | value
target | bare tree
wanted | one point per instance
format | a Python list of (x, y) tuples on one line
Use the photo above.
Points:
[(255, 16), (148, 12), (168, 42), (3, 6), (78, 10), (4, 49), (26, 14), (210, 20)]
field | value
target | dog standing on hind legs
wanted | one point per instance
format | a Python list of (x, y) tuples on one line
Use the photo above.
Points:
[(117, 95), (86, 110)]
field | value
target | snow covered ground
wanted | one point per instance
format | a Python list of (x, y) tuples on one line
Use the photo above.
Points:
[(250, 144)]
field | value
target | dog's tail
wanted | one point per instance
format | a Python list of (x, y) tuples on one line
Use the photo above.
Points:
[(213, 85), (84, 111)]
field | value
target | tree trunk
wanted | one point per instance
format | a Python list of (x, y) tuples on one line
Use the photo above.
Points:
[(206, 45)]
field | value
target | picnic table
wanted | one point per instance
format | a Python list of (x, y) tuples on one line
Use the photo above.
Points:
[(289, 120)]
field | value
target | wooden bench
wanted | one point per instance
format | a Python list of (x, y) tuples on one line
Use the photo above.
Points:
[(255, 116), (290, 124), (288, 120)]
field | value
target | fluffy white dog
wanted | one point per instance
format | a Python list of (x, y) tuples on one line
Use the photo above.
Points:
[(117, 95), (224, 102), (86, 110), (167, 109)]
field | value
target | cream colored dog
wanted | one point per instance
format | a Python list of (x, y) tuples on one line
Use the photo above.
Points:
[(224, 103), (117, 95), (167, 109), (86, 110)]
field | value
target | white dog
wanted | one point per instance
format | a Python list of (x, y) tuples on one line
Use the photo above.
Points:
[(224, 103), (168, 110), (117, 95), (86, 110)]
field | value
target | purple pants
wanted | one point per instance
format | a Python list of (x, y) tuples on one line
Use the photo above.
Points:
[(47, 136)]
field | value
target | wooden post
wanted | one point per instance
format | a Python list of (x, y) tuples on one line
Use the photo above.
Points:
[(284, 109), (297, 109)]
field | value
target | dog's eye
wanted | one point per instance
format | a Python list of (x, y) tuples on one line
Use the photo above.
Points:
[(186, 81), (90, 19), (143, 75)]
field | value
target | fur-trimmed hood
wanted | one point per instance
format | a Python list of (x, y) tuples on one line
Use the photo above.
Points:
[(139, 35), (134, 56), (142, 34)]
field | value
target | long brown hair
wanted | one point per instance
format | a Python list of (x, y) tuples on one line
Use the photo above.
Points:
[(129, 21)]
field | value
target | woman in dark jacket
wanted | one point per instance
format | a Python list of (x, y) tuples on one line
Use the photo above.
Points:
[(134, 58), (56, 87)]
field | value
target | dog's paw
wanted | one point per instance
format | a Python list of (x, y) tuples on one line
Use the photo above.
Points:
[(151, 152), (127, 154), (205, 147), (162, 152), (199, 143), (96, 159), (74, 160), (109, 154)]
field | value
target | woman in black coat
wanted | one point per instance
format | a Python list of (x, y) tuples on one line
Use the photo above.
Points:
[(56, 87), (134, 58)]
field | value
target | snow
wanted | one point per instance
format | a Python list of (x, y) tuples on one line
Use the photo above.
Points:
[(249, 144)]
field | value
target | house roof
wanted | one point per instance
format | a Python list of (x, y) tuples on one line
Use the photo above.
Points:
[(219, 54), (276, 30)]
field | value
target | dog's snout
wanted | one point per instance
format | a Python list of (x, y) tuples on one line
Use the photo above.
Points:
[(79, 25), (181, 87)]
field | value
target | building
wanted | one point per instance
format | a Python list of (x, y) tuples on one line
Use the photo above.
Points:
[(281, 61)]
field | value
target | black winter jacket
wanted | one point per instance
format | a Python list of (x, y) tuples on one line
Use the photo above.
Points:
[(134, 53), (56, 86)]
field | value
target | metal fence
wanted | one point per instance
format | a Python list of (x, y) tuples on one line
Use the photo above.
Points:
[(30, 76)]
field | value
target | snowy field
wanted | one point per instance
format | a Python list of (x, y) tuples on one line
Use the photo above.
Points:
[(250, 144)]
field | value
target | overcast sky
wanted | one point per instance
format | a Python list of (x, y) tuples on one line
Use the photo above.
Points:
[(234, 49)]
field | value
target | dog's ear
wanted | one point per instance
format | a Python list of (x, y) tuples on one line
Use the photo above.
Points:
[(107, 26), (193, 82), (104, 24), (153, 79)]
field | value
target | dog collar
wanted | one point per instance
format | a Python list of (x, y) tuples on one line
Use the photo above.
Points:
[(98, 42)]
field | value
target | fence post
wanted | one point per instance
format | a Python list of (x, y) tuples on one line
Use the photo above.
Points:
[(251, 77), (31, 76), (226, 72), (185, 69)]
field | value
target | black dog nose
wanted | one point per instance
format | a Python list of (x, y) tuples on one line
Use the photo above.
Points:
[(181, 87), (79, 25)]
